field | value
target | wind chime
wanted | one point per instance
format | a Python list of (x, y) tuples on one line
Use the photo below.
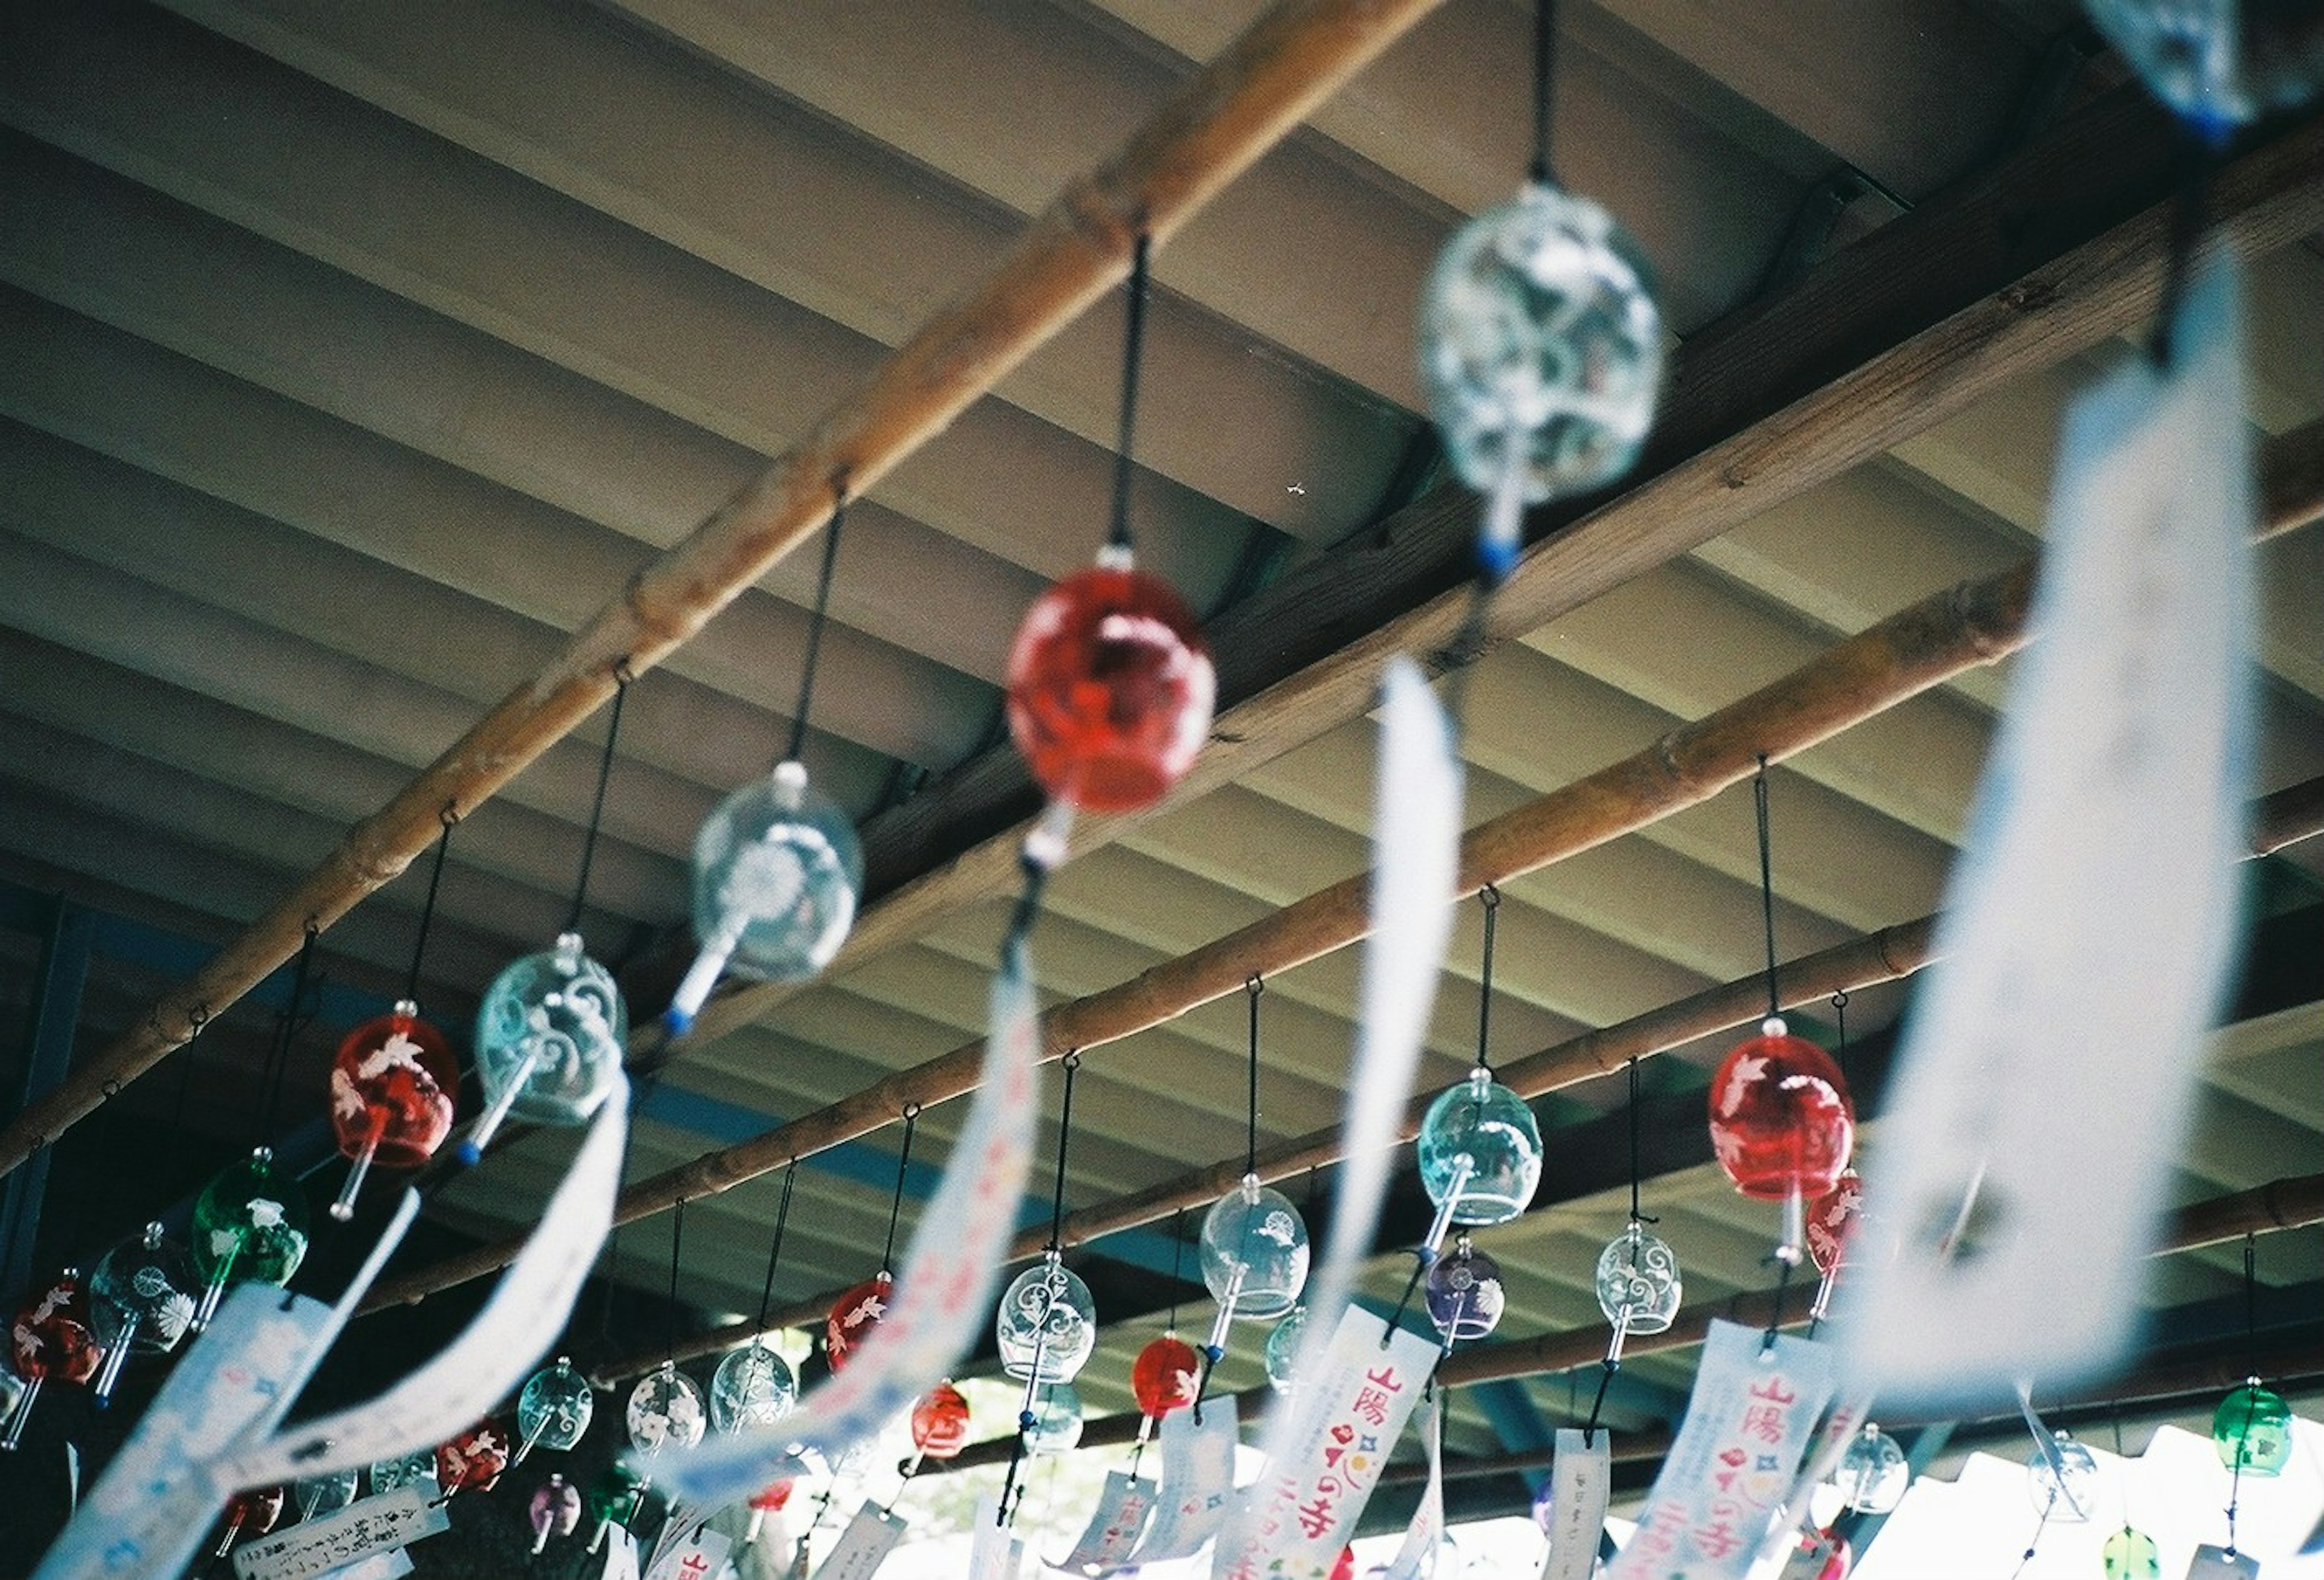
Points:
[(473, 1461), (553, 1410), (1780, 1122), (2129, 1554), (141, 1302), (404, 1470), (553, 1030), (1485, 1133), (861, 1308), (753, 1387), (1165, 1375), (51, 1339), (555, 1510), (1835, 1219), (1637, 1281), (1046, 1327), (317, 1495), (249, 1513), (777, 868), (2252, 1428), (1254, 1246), (666, 1408), (394, 1079)]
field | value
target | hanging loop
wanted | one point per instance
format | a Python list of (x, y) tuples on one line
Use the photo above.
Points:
[(1133, 352), (1491, 899), (1253, 986)]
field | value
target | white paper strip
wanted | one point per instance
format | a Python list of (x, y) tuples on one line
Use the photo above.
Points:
[(944, 1294), (1197, 1487), (363, 1529), (505, 1340), (1124, 1507), (1747, 1425), (1580, 1479), (2212, 1563), (393, 1565), (698, 1555), (153, 1505), (863, 1546), (1415, 862), (1416, 1557), (994, 1552), (1357, 1395), (1792, 1519), (621, 1556), (2043, 1085)]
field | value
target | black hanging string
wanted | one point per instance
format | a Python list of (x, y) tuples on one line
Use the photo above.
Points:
[(1635, 1215), (775, 1250), (1840, 1053), (677, 1244), (1767, 885), (895, 1202), (1776, 1313), (1252, 988), (447, 817), (286, 1031), (2251, 1305), (1178, 1248), (622, 678), (816, 620), (1133, 354), (1072, 1062), (1492, 899), (1597, 1406), (1545, 60), (613, 1264)]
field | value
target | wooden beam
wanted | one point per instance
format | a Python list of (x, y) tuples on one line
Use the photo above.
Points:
[(1210, 129), (2009, 273), (1918, 647)]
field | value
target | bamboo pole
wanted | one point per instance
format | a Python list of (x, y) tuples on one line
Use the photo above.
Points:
[(1213, 128), (2284, 1204)]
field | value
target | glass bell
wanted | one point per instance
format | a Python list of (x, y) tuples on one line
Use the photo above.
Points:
[(2251, 1430), (1872, 1474), (249, 1226), (1781, 1125), (317, 1495), (1541, 348), (940, 1422), (751, 1388), (51, 1336), (777, 871), (252, 1513), (2067, 1490), (1832, 1221), (1463, 1293), (665, 1410), (555, 1510), (1479, 1154), (2219, 65), (1056, 1412), (550, 1040), (1110, 688), (1639, 1285), (553, 1409), (767, 1500), (853, 1316), (617, 1497), (1165, 1376), (140, 1300), (2131, 1555), (1282, 1351), (1048, 1323), (417, 1468), (394, 1082), (1254, 1251), (472, 1461)]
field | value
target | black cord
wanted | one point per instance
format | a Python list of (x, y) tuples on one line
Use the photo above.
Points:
[(775, 1251), (1252, 988), (1767, 885), (817, 619), (613, 1262), (1634, 1217), (286, 1032), (896, 1203), (1491, 897), (676, 1243), (1133, 352), (622, 678), (1072, 1062), (1545, 60), (449, 815), (1177, 1246), (1840, 1015)]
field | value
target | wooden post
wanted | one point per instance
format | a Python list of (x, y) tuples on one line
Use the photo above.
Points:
[(1213, 128)]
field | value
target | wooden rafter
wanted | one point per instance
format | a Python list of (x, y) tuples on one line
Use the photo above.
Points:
[(1206, 133)]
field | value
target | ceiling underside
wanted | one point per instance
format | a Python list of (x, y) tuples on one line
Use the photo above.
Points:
[(354, 355)]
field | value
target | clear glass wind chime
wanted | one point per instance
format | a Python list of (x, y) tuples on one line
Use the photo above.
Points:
[(1480, 1152), (753, 1387), (666, 1408), (553, 1030), (1047, 1325), (1639, 1282), (777, 868), (1254, 1247), (394, 1079)]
